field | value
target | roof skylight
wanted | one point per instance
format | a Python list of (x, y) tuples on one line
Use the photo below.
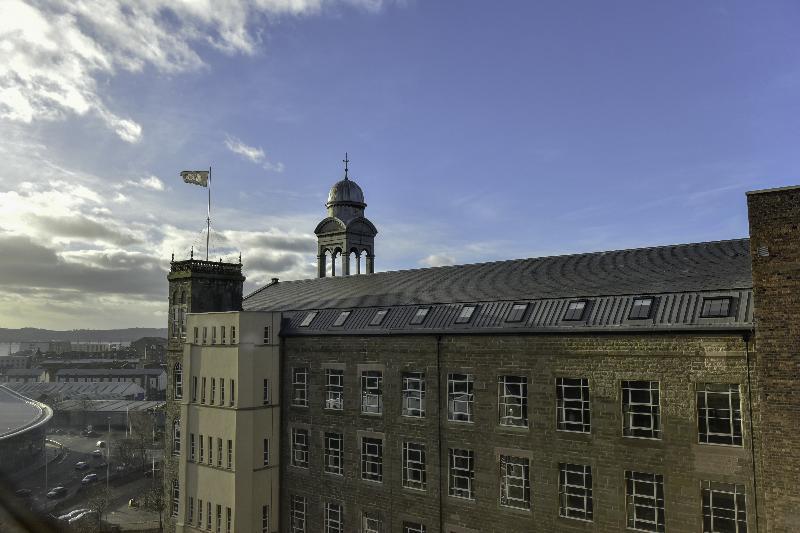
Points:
[(641, 308), (575, 310), (377, 319), (309, 318), (466, 314), (419, 316), (341, 319), (517, 313), (716, 307)]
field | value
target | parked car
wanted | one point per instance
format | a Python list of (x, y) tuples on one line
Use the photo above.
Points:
[(85, 514), (101, 444), (89, 433), (97, 453), (57, 492), (81, 465), (74, 512), (23, 493), (89, 478)]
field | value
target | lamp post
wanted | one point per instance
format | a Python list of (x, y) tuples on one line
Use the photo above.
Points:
[(108, 455)]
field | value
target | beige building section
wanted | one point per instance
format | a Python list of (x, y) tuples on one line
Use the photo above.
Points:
[(227, 407)]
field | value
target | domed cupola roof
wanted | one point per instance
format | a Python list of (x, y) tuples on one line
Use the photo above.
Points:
[(346, 191)]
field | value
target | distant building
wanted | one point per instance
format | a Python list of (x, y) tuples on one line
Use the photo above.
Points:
[(150, 348), (653, 389), (22, 375), (99, 413), (14, 361), (152, 380), (55, 392)]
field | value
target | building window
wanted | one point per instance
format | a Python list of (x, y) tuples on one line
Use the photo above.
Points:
[(219, 452), (233, 393), (575, 310), (517, 313), (414, 527), (372, 459), (334, 452), (203, 391), (575, 491), (233, 334), (719, 413), (176, 497), (372, 392), (213, 334), (334, 389), (341, 319), (414, 394), (222, 334), (191, 446), (177, 381), (228, 520), (641, 308), (265, 519), (176, 436), (297, 514), (194, 389), (221, 391), (641, 409), (202, 456), (414, 474), (266, 452), (459, 397), (462, 474), (210, 450), (308, 319), (266, 334), (230, 454), (573, 411), (213, 390), (466, 314), (724, 508), (205, 335), (512, 400), (515, 483), (219, 518), (377, 319), (300, 448), (199, 513), (208, 516), (419, 316), (300, 387), (644, 501), (333, 518), (196, 335), (716, 308), (190, 511), (371, 523), (266, 392)]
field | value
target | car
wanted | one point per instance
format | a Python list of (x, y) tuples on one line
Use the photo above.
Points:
[(23, 493), (101, 444), (85, 514), (89, 478), (57, 492), (81, 465), (88, 433), (97, 453), (74, 512)]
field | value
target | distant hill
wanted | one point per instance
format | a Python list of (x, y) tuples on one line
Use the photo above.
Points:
[(82, 335)]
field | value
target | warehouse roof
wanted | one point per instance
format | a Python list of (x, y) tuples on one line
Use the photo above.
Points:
[(110, 372), (681, 276), (109, 405)]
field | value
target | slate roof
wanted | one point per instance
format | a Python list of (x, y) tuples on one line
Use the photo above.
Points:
[(681, 274)]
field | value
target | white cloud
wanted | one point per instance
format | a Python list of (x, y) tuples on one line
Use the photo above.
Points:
[(55, 54), (435, 260), (254, 154), (152, 183)]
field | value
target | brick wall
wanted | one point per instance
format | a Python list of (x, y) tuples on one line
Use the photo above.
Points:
[(677, 361), (775, 242)]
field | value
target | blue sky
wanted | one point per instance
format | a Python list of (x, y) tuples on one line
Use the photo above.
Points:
[(478, 131)]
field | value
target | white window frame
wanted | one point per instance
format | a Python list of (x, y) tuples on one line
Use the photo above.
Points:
[(334, 453), (372, 392), (300, 447), (575, 481), (644, 501), (266, 452), (334, 522), (515, 478), (300, 386), (715, 496), (650, 409), (177, 381), (730, 414), (176, 497), (265, 519), (176, 436), (334, 389), (460, 397), (371, 522), (414, 527), (297, 514), (372, 459), (573, 411), (512, 401), (414, 466), (413, 394), (266, 399), (461, 473)]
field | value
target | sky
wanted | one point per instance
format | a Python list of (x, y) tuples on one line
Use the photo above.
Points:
[(478, 130)]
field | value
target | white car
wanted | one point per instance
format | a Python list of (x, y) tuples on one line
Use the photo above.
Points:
[(97, 453), (90, 478), (81, 465), (100, 444), (72, 513), (86, 513)]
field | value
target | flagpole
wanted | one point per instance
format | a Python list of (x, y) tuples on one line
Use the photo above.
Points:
[(208, 218)]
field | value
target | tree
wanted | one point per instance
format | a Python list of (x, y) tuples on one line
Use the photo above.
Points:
[(142, 431), (154, 500)]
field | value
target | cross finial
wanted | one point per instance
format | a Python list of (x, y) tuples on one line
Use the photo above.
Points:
[(345, 161)]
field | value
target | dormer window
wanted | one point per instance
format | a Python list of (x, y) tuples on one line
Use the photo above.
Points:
[(575, 310), (309, 318), (641, 308), (377, 320), (716, 307), (341, 319), (419, 316), (466, 314), (517, 313)]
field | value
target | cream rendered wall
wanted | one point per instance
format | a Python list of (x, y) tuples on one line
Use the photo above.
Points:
[(250, 484)]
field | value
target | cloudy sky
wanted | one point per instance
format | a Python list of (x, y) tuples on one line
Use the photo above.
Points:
[(479, 130)]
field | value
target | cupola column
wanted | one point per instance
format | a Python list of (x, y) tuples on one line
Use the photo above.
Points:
[(321, 266), (370, 264)]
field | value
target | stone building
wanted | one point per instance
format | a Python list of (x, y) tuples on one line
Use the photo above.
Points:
[(655, 389)]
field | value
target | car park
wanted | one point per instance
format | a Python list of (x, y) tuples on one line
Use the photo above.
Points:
[(57, 492), (89, 478)]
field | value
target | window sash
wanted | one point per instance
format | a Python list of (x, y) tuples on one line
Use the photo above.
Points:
[(512, 392), (334, 452), (575, 491), (459, 397), (414, 394), (641, 409), (372, 392), (372, 459), (719, 414), (644, 501), (300, 448), (300, 387), (461, 474), (724, 508), (414, 472), (334, 389), (573, 409), (515, 485)]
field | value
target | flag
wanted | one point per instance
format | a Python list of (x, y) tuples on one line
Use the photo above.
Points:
[(196, 177)]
